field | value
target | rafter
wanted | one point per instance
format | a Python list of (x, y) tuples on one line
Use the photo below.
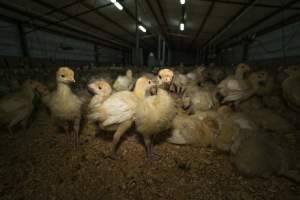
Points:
[(30, 14), (90, 7), (134, 18), (260, 21), (55, 10), (286, 22), (209, 11), (77, 37), (258, 5), (274, 27), (162, 13), (231, 21), (160, 26), (75, 18)]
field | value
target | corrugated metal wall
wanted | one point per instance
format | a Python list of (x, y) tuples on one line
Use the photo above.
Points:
[(274, 46), (185, 58), (281, 43), (9, 39), (233, 55), (106, 55), (48, 46)]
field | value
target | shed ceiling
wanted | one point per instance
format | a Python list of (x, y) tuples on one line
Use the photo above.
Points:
[(109, 26)]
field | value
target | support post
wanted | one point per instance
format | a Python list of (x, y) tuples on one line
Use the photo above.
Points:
[(159, 50), (23, 41), (245, 51), (137, 47), (169, 56), (197, 57), (96, 53), (164, 53)]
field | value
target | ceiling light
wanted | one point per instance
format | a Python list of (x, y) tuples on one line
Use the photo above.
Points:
[(117, 4), (181, 26), (142, 28), (182, 2)]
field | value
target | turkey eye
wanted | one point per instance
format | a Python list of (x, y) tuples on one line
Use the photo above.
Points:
[(100, 87), (63, 76), (159, 76)]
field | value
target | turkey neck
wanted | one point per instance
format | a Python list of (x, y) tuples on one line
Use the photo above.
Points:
[(139, 91), (240, 75), (28, 92), (63, 89)]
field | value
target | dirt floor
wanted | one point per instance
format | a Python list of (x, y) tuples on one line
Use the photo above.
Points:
[(40, 164)]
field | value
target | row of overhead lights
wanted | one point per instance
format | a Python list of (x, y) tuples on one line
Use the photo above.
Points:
[(117, 4), (182, 24), (120, 7), (142, 28)]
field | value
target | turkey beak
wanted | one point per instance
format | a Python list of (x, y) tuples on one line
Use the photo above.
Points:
[(168, 80), (72, 80), (90, 87)]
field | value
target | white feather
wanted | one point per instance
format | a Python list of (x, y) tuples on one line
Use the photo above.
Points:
[(118, 108), (233, 84), (122, 83)]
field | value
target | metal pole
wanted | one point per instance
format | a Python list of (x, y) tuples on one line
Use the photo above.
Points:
[(159, 49), (137, 54), (164, 53), (245, 52), (169, 56), (23, 41), (197, 57), (96, 53)]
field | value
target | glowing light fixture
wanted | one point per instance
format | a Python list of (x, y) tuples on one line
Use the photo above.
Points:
[(182, 2), (181, 26), (117, 4), (143, 29)]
